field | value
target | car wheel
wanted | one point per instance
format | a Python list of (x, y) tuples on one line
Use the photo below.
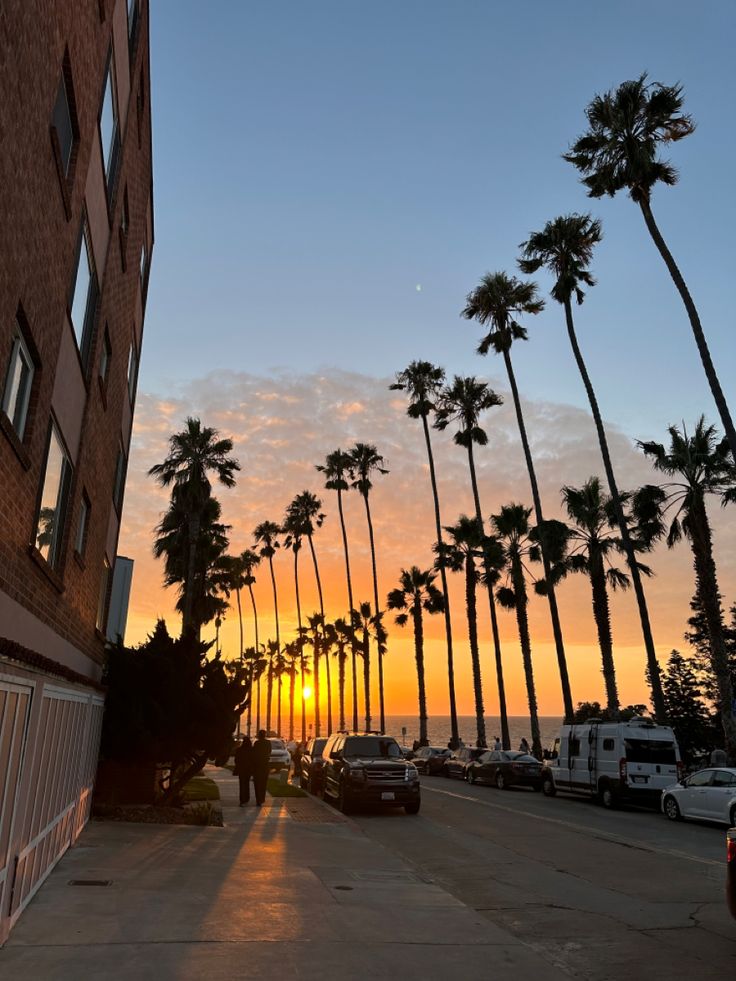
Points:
[(469, 775), (500, 781), (607, 796), (672, 809), (412, 808), (548, 786)]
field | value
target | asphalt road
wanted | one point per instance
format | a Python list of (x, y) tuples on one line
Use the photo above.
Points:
[(602, 894)]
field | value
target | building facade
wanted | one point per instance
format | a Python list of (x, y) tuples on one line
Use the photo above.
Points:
[(76, 237)]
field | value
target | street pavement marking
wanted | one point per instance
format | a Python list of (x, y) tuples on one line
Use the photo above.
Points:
[(617, 839)]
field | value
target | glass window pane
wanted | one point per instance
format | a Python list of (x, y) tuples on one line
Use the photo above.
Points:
[(81, 291), (18, 386), (62, 123), (108, 120), (132, 371), (82, 526), (51, 511)]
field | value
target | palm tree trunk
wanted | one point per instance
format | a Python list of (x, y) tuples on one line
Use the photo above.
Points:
[(419, 655), (552, 599), (301, 642), (258, 680), (708, 366), (240, 623), (655, 679), (505, 735), (278, 704), (350, 611), (470, 606), (522, 622), (376, 611), (317, 655), (709, 596), (292, 682), (187, 611), (269, 693), (367, 679), (341, 658), (454, 731), (602, 617)]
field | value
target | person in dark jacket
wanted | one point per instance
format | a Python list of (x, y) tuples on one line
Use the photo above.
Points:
[(261, 765), (244, 768)]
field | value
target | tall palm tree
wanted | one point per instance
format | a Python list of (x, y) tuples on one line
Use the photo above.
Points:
[(194, 453), (336, 471), (499, 300), (366, 626), (462, 403), (273, 648), (415, 593), (513, 528), (293, 529), (422, 382), (255, 660), (700, 464), (342, 637), (366, 460), (280, 667), (620, 150), (233, 580), (565, 247), (293, 657), (308, 507), (266, 537)]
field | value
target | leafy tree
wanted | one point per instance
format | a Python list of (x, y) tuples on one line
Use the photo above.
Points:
[(686, 710), (701, 465), (621, 151), (592, 710), (565, 247), (422, 382), (461, 404), (498, 301), (415, 594)]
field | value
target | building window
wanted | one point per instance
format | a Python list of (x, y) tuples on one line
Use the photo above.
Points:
[(102, 600), (144, 265), (105, 357), (125, 216), (132, 370), (18, 383), (52, 507), (109, 128), (119, 484), (80, 542), (133, 15), (84, 294), (62, 124)]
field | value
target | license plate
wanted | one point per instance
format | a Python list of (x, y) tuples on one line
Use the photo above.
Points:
[(388, 795), (639, 779)]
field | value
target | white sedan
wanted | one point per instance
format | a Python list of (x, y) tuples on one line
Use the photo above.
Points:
[(280, 756), (708, 794)]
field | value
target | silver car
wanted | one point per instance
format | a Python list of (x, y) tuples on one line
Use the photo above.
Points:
[(709, 795), (280, 756)]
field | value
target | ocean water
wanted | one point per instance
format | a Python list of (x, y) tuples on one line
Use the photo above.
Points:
[(438, 727)]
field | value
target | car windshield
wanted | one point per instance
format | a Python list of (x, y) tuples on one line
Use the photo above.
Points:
[(319, 745), (277, 744), (521, 757), (372, 746), (650, 751)]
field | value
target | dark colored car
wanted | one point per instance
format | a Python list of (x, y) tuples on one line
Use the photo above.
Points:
[(430, 759), (369, 769), (456, 764), (505, 769), (311, 766)]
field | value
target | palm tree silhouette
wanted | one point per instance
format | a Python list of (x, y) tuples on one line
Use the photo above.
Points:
[(701, 465), (366, 460), (293, 529), (565, 247), (422, 382), (340, 633), (415, 593), (266, 535), (620, 151), (253, 656), (462, 403), (336, 470), (498, 301), (273, 649), (194, 453)]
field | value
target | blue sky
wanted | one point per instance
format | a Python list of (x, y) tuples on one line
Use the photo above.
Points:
[(315, 162)]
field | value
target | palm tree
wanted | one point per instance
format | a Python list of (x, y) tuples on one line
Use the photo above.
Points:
[(340, 636), (514, 530), (293, 655), (194, 453), (266, 535), (367, 627), (233, 580), (256, 665), (462, 403), (336, 470), (365, 461), (308, 507), (293, 528), (273, 648), (565, 247), (498, 301), (701, 465), (417, 592), (620, 150), (280, 667), (422, 382)]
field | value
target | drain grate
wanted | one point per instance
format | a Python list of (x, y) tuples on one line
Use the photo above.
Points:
[(90, 882)]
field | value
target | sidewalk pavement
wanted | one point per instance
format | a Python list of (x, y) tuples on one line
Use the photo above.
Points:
[(289, 890)]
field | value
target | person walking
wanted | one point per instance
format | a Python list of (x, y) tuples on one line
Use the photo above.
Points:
[(244, 769), (261, 765), (524, 746), (497, 744)]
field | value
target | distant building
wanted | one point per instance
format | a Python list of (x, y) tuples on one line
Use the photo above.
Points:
[(76, 237)]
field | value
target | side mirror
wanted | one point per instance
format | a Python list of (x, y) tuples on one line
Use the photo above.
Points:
[(683, 782)]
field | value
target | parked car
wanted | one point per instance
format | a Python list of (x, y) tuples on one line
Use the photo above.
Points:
[(430, 759), (280, 756), (369, 769), (731, 870), (709, 795), (613, 761), (311, 766), (505, 769), (455, 764)]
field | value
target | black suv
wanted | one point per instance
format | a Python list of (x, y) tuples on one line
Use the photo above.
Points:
[(311, 765), (369, 769)]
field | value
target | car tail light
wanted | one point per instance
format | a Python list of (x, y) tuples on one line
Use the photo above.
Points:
[(622, 772)]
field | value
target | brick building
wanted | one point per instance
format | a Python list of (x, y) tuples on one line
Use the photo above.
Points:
[(76, 236)]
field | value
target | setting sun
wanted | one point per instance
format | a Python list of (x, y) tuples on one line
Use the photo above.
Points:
[(307, 692)]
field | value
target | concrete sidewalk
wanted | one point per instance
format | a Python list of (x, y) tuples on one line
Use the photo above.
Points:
[(292, 889)]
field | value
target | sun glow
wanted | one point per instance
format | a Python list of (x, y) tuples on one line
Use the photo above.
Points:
[(307, 692)]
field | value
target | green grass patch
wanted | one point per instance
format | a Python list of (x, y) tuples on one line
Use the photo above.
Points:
[(200, 788), (278, 789)]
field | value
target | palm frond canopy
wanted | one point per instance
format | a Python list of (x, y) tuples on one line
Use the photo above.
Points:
[(422, 382), (266, 535), (626, 128), (193, 453), (336, 470), (250, 560), (307, 508), (565, 247), (416, 591), (499, 300), (462, 403), (365, 460)]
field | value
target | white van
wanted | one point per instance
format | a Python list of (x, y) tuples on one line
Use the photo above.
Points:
[(613, 761)]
